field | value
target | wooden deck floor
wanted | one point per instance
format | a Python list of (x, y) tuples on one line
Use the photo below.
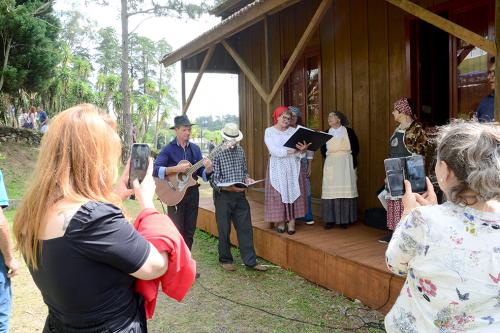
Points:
[(350, 261)]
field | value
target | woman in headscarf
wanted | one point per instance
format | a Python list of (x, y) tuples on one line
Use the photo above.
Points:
[(408, 139), (339, 191), (285, 195)]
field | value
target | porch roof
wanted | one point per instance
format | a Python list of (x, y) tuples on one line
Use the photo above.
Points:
[(243, 18)]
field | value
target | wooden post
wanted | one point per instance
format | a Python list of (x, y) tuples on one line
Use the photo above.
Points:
[(246, 70), (497, 59), (204, 65), (294, 58), (446, 25), (267, 49), (183, 85)]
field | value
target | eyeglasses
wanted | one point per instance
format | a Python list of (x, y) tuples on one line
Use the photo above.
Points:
[(285, 118)]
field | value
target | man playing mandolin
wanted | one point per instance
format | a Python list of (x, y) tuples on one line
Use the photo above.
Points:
[(177, 157)]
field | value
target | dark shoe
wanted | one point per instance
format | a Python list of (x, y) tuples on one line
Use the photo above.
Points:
[(197, 275), (329, 226), (290, 231), (280, 230), (229, 267), (310, 222), (386, 239), (258, 268), (343, 226)]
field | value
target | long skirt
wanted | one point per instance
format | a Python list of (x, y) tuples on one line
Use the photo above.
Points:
[(277, 211), (394, 213), (339, 211)]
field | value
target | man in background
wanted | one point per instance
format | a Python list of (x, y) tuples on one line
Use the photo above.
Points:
[(8, 264), (486, 109), (43, 120)]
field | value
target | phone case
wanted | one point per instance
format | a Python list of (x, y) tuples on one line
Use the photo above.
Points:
[(395, 183), (139, 160)]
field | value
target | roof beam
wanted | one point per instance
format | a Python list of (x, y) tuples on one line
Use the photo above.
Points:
[(446, 25), (204, 65), (226, 28), (246, 70), (306, 36)]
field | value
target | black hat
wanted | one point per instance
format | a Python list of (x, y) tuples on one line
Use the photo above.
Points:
[(181, 121)]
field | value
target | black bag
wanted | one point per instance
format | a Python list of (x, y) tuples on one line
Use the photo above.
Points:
[(376, 218)]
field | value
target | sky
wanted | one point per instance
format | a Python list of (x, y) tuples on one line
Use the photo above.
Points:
[(216, 95)]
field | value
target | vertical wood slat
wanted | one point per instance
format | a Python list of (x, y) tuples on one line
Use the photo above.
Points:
[(343, 58), (361, 95), (379, 94)]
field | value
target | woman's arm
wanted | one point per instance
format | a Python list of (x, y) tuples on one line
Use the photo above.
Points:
[(155, 265)]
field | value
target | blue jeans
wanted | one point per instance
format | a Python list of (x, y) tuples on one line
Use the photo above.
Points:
[(5, 297), (309, 215)]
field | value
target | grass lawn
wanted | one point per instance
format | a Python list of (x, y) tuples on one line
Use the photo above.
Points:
[(277, 291)]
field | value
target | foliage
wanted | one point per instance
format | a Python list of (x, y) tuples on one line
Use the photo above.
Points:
[(29, 35)]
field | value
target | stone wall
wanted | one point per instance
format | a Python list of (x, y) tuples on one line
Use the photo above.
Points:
[(11, 134)]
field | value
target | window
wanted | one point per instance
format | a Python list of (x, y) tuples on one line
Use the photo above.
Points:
[(303, 89)]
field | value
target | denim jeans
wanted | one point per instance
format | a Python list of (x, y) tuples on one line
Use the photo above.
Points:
[(5, 297)]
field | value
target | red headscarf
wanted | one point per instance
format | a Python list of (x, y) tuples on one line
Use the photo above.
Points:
[(277, 112)]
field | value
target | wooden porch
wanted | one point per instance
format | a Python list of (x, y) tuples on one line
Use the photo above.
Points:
[(350, 261)]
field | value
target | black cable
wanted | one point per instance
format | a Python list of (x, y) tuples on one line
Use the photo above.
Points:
[(388, 295), (370, 324)]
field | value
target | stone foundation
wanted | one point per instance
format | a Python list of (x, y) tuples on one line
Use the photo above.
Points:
[(11, 134)]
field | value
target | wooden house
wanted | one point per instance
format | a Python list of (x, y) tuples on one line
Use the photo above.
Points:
[(354, 56)]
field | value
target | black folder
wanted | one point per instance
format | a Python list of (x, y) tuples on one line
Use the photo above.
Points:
[(316, 138)]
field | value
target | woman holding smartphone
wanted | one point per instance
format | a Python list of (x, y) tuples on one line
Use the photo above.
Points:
[(450, 253), (82, 253)]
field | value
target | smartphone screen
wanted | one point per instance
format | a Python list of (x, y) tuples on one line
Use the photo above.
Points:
[(415, 173), (395, 182), (393, 164), (139, 160)]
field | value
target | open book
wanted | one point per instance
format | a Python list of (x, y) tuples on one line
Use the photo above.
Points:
[(240, 184), (316, 138)]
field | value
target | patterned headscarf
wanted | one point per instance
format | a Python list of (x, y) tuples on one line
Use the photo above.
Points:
[(295, 110), (403, 106), (277, 112)]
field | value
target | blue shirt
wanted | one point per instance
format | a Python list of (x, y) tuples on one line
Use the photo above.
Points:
[(173, 153), (486, 110), (42, 116), (4, 200)]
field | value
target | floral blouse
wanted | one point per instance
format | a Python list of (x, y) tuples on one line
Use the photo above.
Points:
[(451, 258)]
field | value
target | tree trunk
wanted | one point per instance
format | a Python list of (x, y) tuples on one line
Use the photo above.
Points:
[(127, 118), (6, 52), (155, 141)]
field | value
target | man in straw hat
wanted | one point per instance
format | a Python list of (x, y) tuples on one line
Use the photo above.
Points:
[(185, 213), (230, 202)]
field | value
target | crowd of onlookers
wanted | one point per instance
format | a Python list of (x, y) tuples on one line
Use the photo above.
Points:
[(33, 118)]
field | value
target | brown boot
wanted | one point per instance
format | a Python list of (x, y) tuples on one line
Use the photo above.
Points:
[(259, 268), (229, 267)]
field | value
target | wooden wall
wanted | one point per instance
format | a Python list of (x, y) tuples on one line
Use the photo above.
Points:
[(363, 70)]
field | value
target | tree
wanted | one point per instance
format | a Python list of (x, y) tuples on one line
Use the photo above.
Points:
[(29, 38), (131, 8)]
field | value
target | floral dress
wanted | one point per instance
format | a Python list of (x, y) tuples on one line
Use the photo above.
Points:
[(451, 258)]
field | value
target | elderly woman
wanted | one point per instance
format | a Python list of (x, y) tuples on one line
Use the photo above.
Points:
[(339, 192), (407, 139), (82, 253), (285, 195), (450, 252)]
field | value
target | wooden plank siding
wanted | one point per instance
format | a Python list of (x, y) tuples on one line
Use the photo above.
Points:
[(363, 71)]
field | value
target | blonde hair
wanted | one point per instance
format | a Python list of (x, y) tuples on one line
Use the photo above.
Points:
[(472, 151), (78, 160)]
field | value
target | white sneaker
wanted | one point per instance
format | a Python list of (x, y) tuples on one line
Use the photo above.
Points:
[(310, 222)]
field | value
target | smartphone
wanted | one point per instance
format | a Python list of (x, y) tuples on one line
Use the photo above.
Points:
[(415, 173), (395, 182), (139, 160), (393, 164)]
